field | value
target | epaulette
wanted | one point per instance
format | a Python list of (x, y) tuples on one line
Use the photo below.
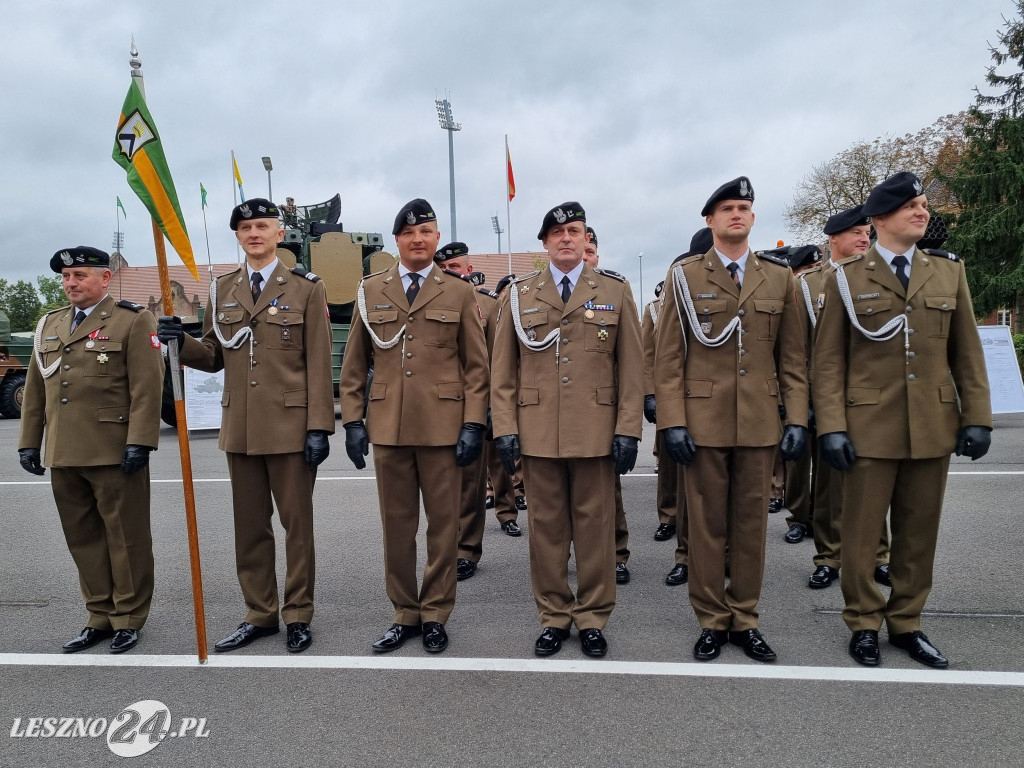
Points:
[(941, 253), (487, 292), (125, 304), (815, 268), (301, 271), (527, 276), (374, 274), (610, 273), (684, 259), (850, 259), (765, 256), (453, 273)]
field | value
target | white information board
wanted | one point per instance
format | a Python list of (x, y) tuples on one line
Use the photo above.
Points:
[(202, 398), (1003, 369)]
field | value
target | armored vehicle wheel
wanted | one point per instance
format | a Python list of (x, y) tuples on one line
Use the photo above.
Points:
[(12, 392)]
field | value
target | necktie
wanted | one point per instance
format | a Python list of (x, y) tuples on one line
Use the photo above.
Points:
[(901, 264), (79, 317), (566, 290), (414, 288), (734, 273), (257, 280)]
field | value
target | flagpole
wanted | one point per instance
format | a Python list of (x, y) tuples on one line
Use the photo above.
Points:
[(508, 210), (209, 259), (117, 240), (179, 411), (234, 197)]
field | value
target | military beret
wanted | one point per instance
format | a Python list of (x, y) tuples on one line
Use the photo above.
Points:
[(257, 208), (738, 189), (803, 255), (892, 193), (659, 288), (417, 211), (844, 220), (701, 242), (451, 251), (503, 283), (593, 235), (82, 256), (571, 211)]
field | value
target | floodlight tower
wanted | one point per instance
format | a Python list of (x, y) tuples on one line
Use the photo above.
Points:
[(497, 229), (444, 116)]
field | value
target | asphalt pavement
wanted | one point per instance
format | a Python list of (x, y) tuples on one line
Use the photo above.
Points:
[(488, 699)]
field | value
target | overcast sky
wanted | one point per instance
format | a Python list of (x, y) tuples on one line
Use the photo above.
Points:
[(637, 110)]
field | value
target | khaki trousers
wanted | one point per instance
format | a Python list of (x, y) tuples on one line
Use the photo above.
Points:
[(473, 508), (621, 529), (503, 488), (799, 495)]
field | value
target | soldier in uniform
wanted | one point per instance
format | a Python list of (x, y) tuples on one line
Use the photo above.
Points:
[(899, 384), (427, 411), (94, 388), (567, 393), (731, 381), (266, 327)]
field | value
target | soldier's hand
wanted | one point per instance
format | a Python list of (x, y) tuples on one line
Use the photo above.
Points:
[(357, 443), (680, 445), (649, 410), (470, 445), (794, 440), (170, 329), (29, 458), (317, 448), (972, 441), (624, 449), (135, 457), (507, 447), (837, 450)]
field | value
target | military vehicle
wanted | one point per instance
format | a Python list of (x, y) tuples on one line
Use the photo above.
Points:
[(15, 354), (316, 240)]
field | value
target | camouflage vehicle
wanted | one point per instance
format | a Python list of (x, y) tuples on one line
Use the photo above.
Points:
[(15, 354)]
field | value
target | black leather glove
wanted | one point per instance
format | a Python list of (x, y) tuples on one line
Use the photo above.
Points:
[(649, 411), (794, 440), (507, 447), (470, 445), (135, 458), (170, 329), (317, 448), (680, 445), (972, 441), (29, 458), (357, 443), (837, 450), (624, 450)]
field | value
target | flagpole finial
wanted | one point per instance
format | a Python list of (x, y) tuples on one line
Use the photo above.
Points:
[(135, 61)]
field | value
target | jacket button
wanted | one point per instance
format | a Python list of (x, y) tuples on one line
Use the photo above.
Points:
[(910, 308), (63, 383), (565, 359), (442, 317), (252, 383), (565, 341), (565, 321), (850, 401), (411, 318), (67, 349), (912, 377), (67, 367), (945, 306), (408, 336), (869, 310), (742, 372), (120, 418), (910, 331), (408, 354), (687, 393), (741, 313), (911, 354), (565, 379), (408, 373), (63, 401)]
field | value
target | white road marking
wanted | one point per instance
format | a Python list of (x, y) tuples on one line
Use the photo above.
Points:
[(549, 666)]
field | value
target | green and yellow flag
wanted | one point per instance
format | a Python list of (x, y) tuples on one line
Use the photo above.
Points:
[(138, 149)]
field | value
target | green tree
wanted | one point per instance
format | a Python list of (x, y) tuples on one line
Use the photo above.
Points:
[(52, 292), (22, 305), (988, 183)]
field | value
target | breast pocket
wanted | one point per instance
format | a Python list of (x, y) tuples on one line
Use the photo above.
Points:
[(600, 332), (442, 327), (50, 351), (105, 359), (285, 331), (938, 314), (872, 314), (536, 326), (768, 313), (711, 315)]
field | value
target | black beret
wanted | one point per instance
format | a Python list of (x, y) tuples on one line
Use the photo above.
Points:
[(257, 208), (738, 189), (451, 251), (701, 242), (82, 256), (417, 211), (844, 220), (892, 193), (659, 288), (803, 255), (503, 283), (571, 211), (593, 235)]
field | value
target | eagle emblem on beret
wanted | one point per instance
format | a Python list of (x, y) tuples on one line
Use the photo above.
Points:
[(410, 217), (66, 258), (560, 216), (918, 187), (245, 210), (744, 187)]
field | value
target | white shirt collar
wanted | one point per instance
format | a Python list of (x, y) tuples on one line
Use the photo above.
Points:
[(741, 262), (573, 275), (88, 310), (888, 255), (267, 271)]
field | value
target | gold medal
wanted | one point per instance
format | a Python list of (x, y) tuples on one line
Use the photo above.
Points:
[(589, 314), (272, 311), (102, 357)]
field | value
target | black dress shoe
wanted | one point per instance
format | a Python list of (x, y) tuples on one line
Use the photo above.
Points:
[(774, 505), (796, 533), (678, 575), (395, 636), (882, 575), (593, 642), (550, 641), (489, 502), (244, 635), (621, 573), (124, 640), (753, 644), (864, 647), (435, 639), (299, 637), (709, 644), (511, 528), (664, 532), (464, 569), (87, 639), (822, 577), (920, 648), (521, 503)]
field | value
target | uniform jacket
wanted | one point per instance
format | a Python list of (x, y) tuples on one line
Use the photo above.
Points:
[(572, 404), (431, 382), (723, 398), (106, 392), (649, 336), (269, 407), (897, 403), (810, 304), (488, 317)]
